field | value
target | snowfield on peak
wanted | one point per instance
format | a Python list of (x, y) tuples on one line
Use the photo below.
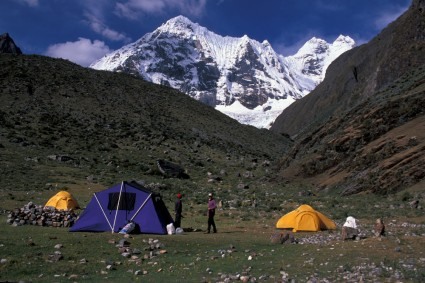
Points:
[(241, 77)]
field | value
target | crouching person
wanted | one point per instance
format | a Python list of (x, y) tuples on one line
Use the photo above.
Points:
[(349, 229), (379, 229), (287, 237), (283, 237)]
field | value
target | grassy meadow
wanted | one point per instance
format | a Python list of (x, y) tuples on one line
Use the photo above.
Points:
[(242, 246)]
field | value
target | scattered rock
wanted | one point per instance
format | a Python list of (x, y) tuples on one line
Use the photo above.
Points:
[(58, 246), (55, 257), (123, 243)]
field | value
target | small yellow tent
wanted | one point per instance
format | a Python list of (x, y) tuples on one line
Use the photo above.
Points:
[(305, 218), (62, 201)]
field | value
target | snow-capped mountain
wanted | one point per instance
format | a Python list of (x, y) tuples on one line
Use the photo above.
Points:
[(240, 77), (315, 56)]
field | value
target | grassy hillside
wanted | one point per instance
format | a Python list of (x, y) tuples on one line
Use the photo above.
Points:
[(64, 125)]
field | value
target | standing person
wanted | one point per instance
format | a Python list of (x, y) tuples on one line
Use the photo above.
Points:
[(211, 212), (178, 208)]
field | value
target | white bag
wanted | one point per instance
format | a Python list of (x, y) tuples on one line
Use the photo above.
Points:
[(170, 229), (128, 228)]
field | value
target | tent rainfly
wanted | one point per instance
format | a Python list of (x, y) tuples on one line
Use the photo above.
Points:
[(305, 218), (62, 201), (112, 208)]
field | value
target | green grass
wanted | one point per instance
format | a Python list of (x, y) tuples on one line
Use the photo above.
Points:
[(197, 257)]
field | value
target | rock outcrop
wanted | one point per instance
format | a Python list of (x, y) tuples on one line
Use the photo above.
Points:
[(7, 45)]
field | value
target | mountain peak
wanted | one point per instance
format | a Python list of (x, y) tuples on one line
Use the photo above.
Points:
[(316, 55), (319, 46), (343, 39), (179, 24), (314, 45), (266, 43), (179, 20), (222, 70), (7, 45)]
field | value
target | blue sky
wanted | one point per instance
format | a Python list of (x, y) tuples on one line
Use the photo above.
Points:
[(85, 30)]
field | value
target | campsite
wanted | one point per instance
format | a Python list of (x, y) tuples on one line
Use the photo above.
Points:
[(116, 150), (240, 251)]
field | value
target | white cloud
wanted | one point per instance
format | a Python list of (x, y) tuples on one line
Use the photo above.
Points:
[(83, 52), (99, 27), (131, 8), (388, 17)]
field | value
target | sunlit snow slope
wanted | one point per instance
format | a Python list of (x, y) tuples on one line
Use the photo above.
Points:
[(241, 77)]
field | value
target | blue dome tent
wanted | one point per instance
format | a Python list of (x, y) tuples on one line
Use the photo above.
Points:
[(113, 208)]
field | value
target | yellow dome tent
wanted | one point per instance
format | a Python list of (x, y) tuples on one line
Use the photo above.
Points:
[(305, 218), (62, 201)]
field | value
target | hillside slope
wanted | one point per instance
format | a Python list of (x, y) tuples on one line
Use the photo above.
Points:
[(362, 128), (111, 127), (377, 146)]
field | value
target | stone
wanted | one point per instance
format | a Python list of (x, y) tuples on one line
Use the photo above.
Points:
[(123, 243), (127, 255), (55, 257)]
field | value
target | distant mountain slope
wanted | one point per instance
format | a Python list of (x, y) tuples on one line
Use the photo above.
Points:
[(109, 125), (362, 128), (226, 71)]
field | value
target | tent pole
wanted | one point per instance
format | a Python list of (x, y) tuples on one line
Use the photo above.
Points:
[(140, 208), (118, 205), (101, 209)]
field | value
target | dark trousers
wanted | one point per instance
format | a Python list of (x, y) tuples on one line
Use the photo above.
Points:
[(211, 222), (178, 220)]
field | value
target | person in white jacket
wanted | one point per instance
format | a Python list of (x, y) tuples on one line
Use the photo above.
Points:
[(349, 229)]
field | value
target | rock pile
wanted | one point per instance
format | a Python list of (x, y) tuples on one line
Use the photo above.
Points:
[(153, 249), (31, 214)]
